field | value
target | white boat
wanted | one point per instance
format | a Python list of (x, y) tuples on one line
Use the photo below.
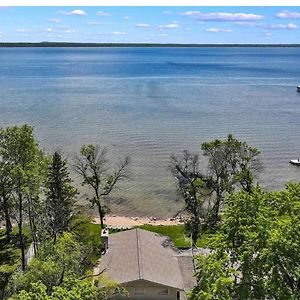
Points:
[(295, 162), (298, 88)]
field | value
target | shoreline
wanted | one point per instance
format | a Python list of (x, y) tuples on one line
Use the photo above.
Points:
[(115, 221)]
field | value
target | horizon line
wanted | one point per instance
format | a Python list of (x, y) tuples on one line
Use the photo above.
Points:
[(132, 44)]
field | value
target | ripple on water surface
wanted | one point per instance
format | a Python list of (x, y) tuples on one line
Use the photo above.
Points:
[(151, 103)]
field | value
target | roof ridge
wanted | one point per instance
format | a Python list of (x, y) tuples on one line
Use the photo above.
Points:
[(139, 254)]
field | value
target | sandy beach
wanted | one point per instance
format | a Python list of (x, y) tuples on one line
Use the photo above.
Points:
[(119, 221)]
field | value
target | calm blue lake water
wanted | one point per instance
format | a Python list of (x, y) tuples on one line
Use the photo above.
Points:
[(152, 102)]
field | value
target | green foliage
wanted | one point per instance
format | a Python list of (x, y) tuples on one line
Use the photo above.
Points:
[(87, 233), (6, 200), (53, 264), (192, 186), (215, 279), (22, 157), (257, 248), (38, 292), (70, 289), (60, 196), (10, 255), (230, 163)]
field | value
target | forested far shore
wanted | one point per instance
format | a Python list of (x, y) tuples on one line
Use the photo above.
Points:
[(78, 44)]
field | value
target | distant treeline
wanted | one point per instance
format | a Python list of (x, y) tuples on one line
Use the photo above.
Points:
[(65, 44)]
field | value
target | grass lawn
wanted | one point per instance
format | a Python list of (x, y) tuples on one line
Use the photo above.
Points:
[(176, 234), (10, 255)]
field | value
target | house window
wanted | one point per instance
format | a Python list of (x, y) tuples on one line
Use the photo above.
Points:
[(139, 291), (163, 291)]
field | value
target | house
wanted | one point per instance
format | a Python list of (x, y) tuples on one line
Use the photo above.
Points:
[(141, 262)]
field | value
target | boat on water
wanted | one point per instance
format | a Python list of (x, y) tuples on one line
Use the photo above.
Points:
[(295, 162), (298, 88)]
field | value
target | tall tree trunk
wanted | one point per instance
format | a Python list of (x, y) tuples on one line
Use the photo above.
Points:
[(100, 214), (7, 218), (33, 231), (216, 207), (21, 239), (100, 210), (54, 237), (32, 227)]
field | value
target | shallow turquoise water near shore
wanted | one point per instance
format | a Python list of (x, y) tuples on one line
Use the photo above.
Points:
[(152, 102)]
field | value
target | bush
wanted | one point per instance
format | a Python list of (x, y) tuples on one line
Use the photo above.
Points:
[(89, 235)]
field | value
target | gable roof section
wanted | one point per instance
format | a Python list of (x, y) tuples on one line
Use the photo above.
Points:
[(139, 255)]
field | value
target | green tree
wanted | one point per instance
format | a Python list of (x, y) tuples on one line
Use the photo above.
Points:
[(6, 200), (60, 196), (230, 162), (87, 233), (58, 273), (70, 289), (191, 184), (35, 200), (38, 292), (52, 265), (257, 250), (94, 168), (214, 278), (21, 153)]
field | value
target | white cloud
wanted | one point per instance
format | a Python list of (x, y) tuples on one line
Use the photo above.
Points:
[(290, 26), (127, 18), (288, 15), (22, 30), (49, 29), (103, 14), (247, 24), (217, 30), (94, 23), (63, 27), (167, 12), (119, 33), (168, 26), (267, 33), (69, 31), (220, 16), (76, 12), (54, 20), (142, 25)]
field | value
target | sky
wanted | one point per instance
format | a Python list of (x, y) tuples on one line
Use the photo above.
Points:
[(152, 24)]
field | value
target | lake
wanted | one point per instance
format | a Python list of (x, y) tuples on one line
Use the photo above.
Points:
[(152, 102)]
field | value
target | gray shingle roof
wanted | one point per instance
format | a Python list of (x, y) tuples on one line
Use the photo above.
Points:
[(187, 271), (139, 255)]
